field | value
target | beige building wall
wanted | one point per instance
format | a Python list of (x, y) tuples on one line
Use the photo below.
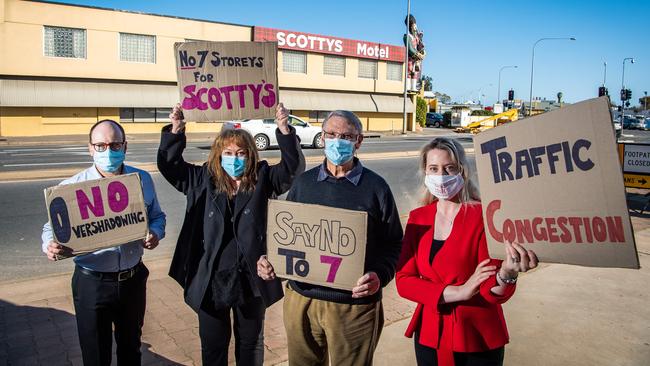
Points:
[(21, 55)]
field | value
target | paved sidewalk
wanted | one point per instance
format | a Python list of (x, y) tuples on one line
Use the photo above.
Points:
[(561, 315)]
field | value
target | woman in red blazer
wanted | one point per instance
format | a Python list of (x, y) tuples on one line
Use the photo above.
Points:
[(445, 267)]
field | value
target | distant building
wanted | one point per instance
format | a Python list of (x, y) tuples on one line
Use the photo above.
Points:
[(543, 105)]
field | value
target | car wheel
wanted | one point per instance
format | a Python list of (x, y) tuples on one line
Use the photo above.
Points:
[(261, 142), (318, 142), (436, 124)]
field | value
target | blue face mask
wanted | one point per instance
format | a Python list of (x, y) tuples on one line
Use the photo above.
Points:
[(109, 160), (233, 165), (339, 151)]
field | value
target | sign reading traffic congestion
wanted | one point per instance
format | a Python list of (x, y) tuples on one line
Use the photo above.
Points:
[(220, 81), (329, 45), (553, 184)]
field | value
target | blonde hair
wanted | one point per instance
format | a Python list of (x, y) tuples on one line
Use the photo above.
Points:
[(469, 192), (221, 179)]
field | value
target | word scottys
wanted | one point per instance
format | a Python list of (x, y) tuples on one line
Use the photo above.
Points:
[(224, 96)]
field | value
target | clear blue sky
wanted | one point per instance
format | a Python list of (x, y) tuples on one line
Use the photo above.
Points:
[(468, 41)]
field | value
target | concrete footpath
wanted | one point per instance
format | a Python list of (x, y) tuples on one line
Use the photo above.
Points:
[(560, 315)]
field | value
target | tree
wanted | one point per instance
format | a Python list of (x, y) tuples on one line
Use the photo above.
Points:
[(427, 82), (421, 111), (442, 97), (644, 102)]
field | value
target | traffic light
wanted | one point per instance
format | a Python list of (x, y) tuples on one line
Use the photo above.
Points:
[(623, 94), (628, 94), (511, 94), (602, 91)]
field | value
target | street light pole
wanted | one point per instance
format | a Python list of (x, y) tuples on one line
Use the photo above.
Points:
[(532, 66), (605, 75), (406, 62), (499, 85), (623, 83)]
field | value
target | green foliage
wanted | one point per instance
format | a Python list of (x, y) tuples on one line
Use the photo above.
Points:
[(482, 112), (446, 118), (427, 82), (421, 111)]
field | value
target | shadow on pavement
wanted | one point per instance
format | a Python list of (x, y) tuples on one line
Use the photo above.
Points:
[(638, 204), (46, 336)]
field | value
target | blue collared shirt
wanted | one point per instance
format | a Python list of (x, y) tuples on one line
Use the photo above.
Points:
[(353, 175), (125, 256)]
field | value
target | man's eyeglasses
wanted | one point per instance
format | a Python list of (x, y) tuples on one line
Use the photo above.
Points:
[(344, 136), (101, 147)]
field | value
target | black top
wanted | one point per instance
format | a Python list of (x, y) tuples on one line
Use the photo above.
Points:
[(384, 232), (435, 247)]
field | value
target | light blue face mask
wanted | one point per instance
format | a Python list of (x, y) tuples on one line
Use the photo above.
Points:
[(109, 160), (233, 165), (339, 151)]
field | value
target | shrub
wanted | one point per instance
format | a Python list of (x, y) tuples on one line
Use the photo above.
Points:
[(481, 112), (421, 111)]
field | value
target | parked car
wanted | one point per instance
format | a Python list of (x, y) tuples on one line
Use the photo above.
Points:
[(434, 120), (631, 123), (646, 124), (263, 131)]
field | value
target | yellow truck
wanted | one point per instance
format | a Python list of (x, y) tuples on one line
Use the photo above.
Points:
[(489, 122)]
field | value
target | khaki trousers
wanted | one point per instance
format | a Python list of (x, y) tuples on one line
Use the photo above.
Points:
[(321, 332)]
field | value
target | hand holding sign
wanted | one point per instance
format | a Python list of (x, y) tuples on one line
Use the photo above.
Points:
[(151, 241), (265, 269), (178, 120), (56, 251), (518, 259), (282, 118), (366, 286)]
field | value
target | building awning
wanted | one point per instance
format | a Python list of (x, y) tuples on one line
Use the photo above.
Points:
[(46, 93), (357, 102), (56, 93)]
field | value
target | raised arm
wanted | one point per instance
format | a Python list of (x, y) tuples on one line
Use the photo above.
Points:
[(180, 174), (292, 161)]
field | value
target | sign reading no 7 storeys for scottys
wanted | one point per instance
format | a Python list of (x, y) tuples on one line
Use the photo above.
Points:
[(220, 81)]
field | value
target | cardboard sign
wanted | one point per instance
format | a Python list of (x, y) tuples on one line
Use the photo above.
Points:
[(222, 81), (553, 183), (316, 244), (97, 214), (635, 159)]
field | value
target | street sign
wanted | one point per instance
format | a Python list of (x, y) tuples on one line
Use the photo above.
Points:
[(635, 160)]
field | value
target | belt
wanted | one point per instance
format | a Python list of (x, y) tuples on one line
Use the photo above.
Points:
[(113, 276)]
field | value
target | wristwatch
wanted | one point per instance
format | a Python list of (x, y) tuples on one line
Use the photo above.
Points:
[(507, 281)]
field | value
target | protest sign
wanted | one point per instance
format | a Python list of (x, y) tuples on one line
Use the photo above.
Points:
[(553, 183), (635, 159), (97, 214), (220, 81), (316, 244)]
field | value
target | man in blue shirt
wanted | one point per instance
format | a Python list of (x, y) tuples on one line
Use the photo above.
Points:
[(109, 285)]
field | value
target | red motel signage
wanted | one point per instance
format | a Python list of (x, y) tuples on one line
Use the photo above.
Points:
[(291, 40)]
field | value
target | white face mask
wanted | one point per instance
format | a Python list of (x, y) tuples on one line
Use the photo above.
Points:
[(444, 187)]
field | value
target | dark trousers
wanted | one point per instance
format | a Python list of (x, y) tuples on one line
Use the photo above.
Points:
[(101, 304), (427, 356), (215, 332)]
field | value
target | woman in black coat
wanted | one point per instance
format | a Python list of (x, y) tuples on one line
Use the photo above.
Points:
[(224, 233)]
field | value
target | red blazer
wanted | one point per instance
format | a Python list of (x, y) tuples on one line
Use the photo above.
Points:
[(469, 326)]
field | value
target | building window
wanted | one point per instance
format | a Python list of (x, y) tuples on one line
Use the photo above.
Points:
[(317, 116), (394, 71), (64, 42), (137, 48), (145, 115), (334, 65), (294, 61), (368, 69)]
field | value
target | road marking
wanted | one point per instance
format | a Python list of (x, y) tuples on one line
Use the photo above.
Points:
[(46, 164), (46, 149)]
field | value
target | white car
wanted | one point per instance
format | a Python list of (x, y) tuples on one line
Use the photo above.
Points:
[(263, 131)]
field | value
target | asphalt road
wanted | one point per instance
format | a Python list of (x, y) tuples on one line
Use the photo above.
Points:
[(25, 158), (23, 210)]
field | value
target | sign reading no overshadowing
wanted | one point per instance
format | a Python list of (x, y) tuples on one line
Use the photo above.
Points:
[(553, 183), (316, 244), (220, 81), (97, 214)]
